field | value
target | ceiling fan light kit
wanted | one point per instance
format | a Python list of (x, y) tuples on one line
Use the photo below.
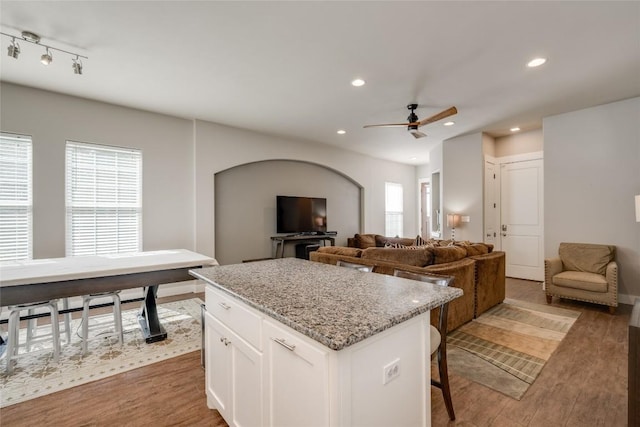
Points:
[(13, 50), (413, 123)]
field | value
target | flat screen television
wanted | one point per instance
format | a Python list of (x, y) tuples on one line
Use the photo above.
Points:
[(301, 214)]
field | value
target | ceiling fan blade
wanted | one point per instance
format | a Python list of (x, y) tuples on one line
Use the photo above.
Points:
[(387, 125), (417, 134), (441, 115)]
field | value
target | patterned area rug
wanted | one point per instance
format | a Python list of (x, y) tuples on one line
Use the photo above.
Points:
[(507, 347), (36, 374)]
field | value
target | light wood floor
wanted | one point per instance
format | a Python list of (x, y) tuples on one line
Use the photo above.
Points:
[(583, 384)]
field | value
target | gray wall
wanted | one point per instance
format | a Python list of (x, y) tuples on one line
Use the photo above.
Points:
[(245, 200), (180, 159), (462, 185), (167, 155), (518, 143), (220, 147), (592, 172)]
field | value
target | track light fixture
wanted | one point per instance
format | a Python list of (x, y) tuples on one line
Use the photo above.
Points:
[(47, 58)]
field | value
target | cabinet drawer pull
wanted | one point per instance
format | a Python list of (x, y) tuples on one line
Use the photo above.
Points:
[(224, 305), (283, 343)]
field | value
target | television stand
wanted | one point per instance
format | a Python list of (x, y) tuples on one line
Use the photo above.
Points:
[(281, 241)]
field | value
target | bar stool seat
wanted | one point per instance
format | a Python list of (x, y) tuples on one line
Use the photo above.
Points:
[(117, 318), (13, 339)]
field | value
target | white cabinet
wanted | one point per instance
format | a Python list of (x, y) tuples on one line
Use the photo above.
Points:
[(296, 379), (260, 372), (233, 375)]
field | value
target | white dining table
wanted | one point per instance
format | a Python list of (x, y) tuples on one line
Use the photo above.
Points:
[(29, 281)]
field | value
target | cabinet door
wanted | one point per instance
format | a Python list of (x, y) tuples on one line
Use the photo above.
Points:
[(233, 375), (297, 379), (246, 366), (218, 363)]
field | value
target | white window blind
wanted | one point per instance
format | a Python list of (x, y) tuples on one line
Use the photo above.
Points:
[(104, 199), (393, 209), (16, 204)]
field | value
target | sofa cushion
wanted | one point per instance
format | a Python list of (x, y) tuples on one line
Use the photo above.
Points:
[(447, 254), (381, 241), (591, 282), (418, 257), (364, 241), (340, 250), (586, 257), (474, 249)]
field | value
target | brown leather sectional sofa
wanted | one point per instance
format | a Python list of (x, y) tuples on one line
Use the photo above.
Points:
[(478, 270)]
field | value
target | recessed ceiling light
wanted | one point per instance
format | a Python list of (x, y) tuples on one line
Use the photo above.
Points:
[(357, 82), (414, 158), (449, 123), (515, 129), (341, 132), (536, 62)]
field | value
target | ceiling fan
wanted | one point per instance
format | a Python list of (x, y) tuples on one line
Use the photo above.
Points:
[(413, 122)]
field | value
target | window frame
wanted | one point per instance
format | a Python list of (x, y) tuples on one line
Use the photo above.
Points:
[(20, 205), (393, 219), (89, 170)]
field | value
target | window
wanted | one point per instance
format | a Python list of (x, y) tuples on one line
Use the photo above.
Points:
[(393, 209), (16, 204), (104, 199)]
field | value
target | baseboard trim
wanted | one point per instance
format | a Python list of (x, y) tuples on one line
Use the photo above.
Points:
[(627, 299)]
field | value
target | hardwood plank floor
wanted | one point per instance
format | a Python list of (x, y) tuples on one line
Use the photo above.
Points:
[(583, 384)]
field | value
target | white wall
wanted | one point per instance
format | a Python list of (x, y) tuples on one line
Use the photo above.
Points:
[(518, 143), (463, 185), (592, 172), (180, 158), (220, 147), (167, 152)]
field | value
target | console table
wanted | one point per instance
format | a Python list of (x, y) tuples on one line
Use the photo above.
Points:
[(280, 241)]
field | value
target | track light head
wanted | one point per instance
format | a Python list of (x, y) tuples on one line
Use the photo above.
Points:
[(77, 66), (47, 58), (14, 49)]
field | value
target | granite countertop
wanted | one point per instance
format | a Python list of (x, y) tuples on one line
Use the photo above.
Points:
[(335, 306)]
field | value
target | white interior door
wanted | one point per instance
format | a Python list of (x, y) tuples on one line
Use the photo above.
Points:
[(521, 199)]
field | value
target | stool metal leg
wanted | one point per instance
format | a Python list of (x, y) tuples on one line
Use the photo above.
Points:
[(67, 319), (117, 314), (85, 324), (12, 338)]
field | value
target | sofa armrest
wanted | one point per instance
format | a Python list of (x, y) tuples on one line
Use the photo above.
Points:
[(552, 266), (490, 281), (611, 274), (351, 242)]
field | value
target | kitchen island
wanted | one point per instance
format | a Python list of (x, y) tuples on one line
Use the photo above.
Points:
[(294, 342)]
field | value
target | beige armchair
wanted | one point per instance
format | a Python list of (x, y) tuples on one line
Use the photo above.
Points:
[(583, 272)]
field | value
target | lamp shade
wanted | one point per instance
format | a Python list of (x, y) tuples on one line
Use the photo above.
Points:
[(453, 220), (638, 208)]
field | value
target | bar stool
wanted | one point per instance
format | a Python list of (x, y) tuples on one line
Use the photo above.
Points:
[(13, 339), (438, 336), (117, 318)]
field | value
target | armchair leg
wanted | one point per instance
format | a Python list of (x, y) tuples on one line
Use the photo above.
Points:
[(612, 309), (549, 298)]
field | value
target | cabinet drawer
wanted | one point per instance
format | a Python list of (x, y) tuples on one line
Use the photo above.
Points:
[(235, 316)]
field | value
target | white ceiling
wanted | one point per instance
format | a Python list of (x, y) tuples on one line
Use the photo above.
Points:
[(285, 68)]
